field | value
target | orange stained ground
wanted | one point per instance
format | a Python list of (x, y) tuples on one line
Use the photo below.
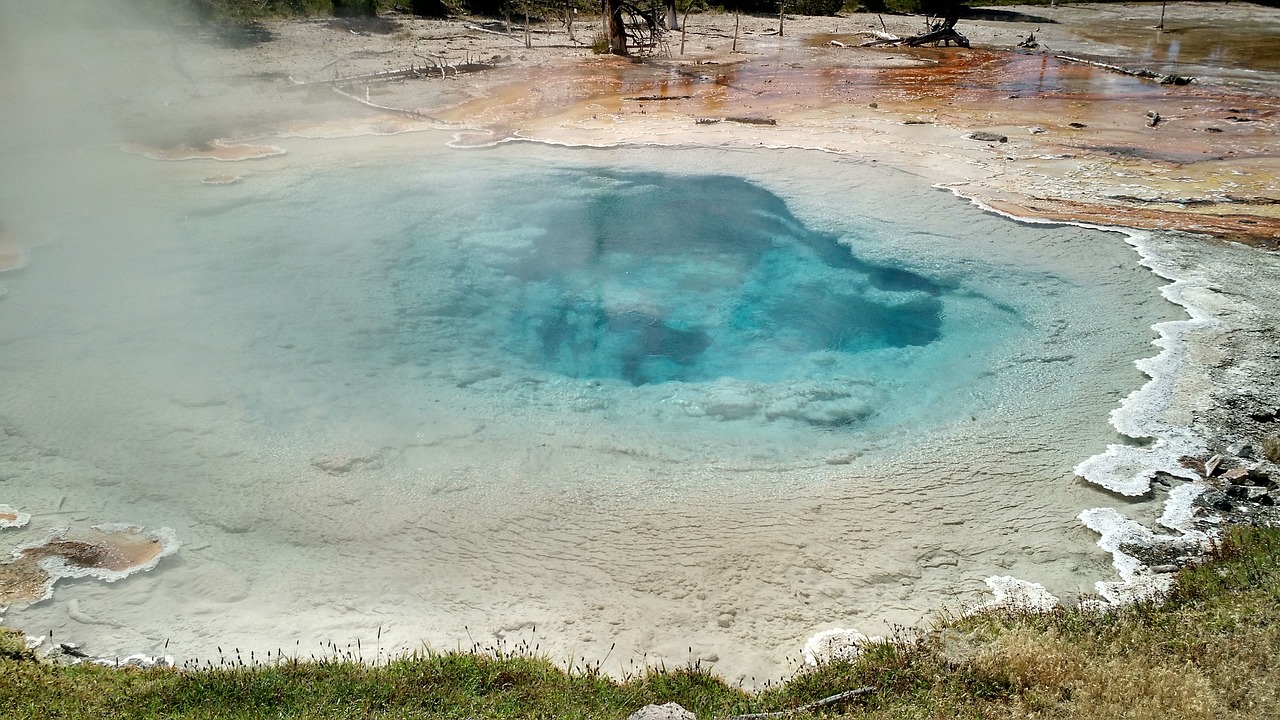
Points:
[(1210, 164)]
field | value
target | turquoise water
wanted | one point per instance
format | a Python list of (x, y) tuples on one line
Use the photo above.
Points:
[(650, 397), (526, 283), (652, 278)]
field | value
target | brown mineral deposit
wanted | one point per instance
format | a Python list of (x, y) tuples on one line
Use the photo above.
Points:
[(105, 552)]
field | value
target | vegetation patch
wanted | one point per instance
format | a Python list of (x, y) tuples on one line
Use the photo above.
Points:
[(1211, 649)]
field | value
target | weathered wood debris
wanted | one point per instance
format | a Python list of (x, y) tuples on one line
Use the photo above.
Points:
[(943, 31), (1141, 72)]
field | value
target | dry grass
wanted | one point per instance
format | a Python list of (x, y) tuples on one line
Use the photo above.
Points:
[(1271, 448)]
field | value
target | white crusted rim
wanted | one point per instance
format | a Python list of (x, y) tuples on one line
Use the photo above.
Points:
[(836, 644), (1014, 594), (20, 519)]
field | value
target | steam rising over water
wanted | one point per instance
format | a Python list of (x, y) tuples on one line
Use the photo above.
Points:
[(658, 397)]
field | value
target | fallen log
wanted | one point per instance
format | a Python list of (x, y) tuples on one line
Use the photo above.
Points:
[(1141, 72), (657, 98), (946, 35), (881, 38), (385, 108), (413, 71)]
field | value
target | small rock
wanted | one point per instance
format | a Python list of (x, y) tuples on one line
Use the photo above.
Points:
[(670, 711), (987, 136), (1077, 125), (1235, 474), (873, 106), (140, 661), (1153, 118), (72, 649), (1213, 130), (1241, 450), (1258, 475), (1036, 130), (1164, 568), (1211, 465), (1217, 500), (1249, 493)]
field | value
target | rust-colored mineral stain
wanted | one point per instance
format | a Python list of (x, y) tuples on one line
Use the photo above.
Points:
[(27, 578), (1211, 141), (22, 583), (8, 517), (1261, 232), (11, 255), (214, 150)]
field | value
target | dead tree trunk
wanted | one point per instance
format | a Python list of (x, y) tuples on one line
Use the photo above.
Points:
[(673, 20), (946, 35), (614, 28), (944, 32)]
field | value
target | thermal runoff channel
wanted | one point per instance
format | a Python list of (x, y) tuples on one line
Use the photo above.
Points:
[(384, 384)]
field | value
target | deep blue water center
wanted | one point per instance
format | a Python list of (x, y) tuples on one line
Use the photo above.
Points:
[(654, 278)]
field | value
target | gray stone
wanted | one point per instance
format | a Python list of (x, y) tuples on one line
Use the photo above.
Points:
[(1235, 474), (1242, 450), (987, 136), (670, 711)]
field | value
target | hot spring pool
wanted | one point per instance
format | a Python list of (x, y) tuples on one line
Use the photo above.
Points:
[(663, 398)]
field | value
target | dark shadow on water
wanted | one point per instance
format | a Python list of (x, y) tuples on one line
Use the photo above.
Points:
[(617, 286), (1003, 16)]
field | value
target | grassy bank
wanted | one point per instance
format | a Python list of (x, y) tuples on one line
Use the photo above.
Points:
[(1212, 649)]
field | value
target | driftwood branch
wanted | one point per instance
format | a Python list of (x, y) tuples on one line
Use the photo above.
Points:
[(1141, 72), (385, 108), (413, 71), (477, 28), (847, 694), (879, 38), (940, 33)]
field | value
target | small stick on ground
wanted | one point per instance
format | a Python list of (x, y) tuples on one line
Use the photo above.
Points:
[(847, 694)]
